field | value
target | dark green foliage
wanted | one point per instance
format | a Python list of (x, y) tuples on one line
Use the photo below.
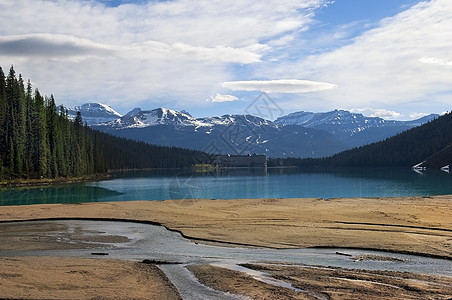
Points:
[(37, 140), (3, 121), (405, 149)]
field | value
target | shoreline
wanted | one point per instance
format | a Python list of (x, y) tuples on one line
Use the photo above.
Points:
[(37, 182), (400, 224)]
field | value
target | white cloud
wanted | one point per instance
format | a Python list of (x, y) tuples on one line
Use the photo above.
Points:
[(417, 115), (289, 86), (223, 98), (436, 61), (377, 112)]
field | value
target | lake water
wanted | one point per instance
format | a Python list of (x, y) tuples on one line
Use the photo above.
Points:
[(240, 183)]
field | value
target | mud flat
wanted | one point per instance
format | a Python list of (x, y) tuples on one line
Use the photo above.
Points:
[(421, 225)]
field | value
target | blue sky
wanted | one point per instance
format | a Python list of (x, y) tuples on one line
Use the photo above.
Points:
[(387, 58)]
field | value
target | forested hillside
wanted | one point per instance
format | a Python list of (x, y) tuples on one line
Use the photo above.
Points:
[(37, 140), (122, 153), (405, 149)]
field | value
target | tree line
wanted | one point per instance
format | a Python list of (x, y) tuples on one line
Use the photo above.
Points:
[(38, 140)]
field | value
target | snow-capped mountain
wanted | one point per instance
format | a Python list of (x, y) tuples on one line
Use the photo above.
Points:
[(227, 134), (138, 118), (94, 113), (349, 128)]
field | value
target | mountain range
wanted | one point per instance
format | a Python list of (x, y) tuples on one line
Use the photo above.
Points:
[(300, 134)]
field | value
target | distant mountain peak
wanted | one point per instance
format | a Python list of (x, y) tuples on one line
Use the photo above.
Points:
[(95, 106), (94, 113)]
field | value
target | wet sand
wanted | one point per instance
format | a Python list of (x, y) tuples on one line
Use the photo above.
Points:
[(325, 283), (81, 278), (415, 225)]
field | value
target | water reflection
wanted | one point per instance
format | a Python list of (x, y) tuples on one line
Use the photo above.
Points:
[(68, 193)]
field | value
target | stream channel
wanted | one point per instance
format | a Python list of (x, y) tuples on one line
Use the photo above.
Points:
[(138, 241)]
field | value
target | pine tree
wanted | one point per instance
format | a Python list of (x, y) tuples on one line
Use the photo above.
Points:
[(10, 130), (21, 129), (3, 114), (29, 151), (41, 141)]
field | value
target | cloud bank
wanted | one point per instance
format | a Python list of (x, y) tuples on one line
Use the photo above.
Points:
[(178, 53), (144, 52)]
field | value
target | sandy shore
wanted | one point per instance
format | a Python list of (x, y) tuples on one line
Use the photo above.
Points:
[(416, 225)]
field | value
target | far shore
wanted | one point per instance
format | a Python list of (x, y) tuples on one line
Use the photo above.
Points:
[(21, 182)]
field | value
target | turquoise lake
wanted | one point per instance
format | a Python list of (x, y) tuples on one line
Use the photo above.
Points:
[(240, 183)]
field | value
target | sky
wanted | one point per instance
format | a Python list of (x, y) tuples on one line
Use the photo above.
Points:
[(384, 58)]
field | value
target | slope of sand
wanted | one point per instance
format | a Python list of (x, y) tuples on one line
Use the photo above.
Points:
[(419, 225)]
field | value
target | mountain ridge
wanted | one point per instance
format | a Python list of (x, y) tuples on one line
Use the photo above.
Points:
[(300, 134), (349, 128)]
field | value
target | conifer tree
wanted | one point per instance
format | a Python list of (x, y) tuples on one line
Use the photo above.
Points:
[(29, 154), (41, 144), (3, 115)]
